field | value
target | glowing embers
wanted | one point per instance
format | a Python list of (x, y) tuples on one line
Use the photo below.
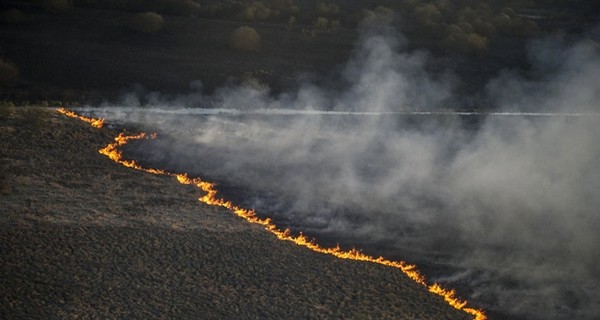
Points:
[(211, 198), (96, 123)]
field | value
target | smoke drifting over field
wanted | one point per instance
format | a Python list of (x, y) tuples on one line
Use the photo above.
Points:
[(508, 205)]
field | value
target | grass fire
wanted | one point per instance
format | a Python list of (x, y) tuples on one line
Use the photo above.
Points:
[(459, 136), (212, 198)]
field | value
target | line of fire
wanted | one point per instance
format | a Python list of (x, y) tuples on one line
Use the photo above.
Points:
[(212, 198)]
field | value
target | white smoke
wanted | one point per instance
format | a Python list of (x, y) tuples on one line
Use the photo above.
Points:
[(510, 202)]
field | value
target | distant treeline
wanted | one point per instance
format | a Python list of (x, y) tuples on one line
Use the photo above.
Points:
[(463, 26)]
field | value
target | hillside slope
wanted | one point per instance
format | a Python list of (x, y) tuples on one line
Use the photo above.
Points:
[(81, 236)]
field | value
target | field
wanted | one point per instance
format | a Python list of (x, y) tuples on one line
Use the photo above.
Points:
[(84, 237)]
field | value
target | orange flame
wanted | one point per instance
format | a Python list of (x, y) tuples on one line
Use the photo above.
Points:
[(211, 198), (96, 123)]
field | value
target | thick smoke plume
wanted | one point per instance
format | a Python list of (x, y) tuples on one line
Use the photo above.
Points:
[(507, 206)]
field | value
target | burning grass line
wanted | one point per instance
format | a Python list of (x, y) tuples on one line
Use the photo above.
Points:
[(96, 123), (212, 198)]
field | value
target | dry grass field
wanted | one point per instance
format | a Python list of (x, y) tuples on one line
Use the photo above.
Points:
[(83, 237)]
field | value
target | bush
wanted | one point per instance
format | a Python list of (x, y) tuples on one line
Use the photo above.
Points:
[(255, 11), (524, 27), (56, 5), (12, 16), (148, 22), (427, 20), (327, 9), (321, 24), (291, 21), (212, 11), (9, 73), (501, 20), (466, 43), (407, 6), (379, 16), (465, 26), (246, 39), (6, 109), (334, 25), (485, 28), (178, 7)]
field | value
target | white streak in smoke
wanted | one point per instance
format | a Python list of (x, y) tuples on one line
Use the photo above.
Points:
[(118, 113)]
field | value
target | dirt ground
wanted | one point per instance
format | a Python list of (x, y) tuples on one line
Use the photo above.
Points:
[(83, 237)]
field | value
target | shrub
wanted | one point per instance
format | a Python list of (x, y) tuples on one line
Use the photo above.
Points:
[(334, 25), (262, 13), (427, 19), (407, 6), (291, 21), (56, 5), (6, 109), (9, 73), (11, 16), (327, 9), (466, 43), (379, 16), (524, 27), (502, 20), (427, 12), (178, 7), (245, 38), (485, 28), (212, 10), (465, 26), (255, 11), (453, 28), (148, 22), (321, 23)]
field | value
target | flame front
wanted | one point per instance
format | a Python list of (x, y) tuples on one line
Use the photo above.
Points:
[(212, 198), (96, 123)]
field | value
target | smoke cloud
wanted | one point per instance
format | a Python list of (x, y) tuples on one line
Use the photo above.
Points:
[(504, 205)]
